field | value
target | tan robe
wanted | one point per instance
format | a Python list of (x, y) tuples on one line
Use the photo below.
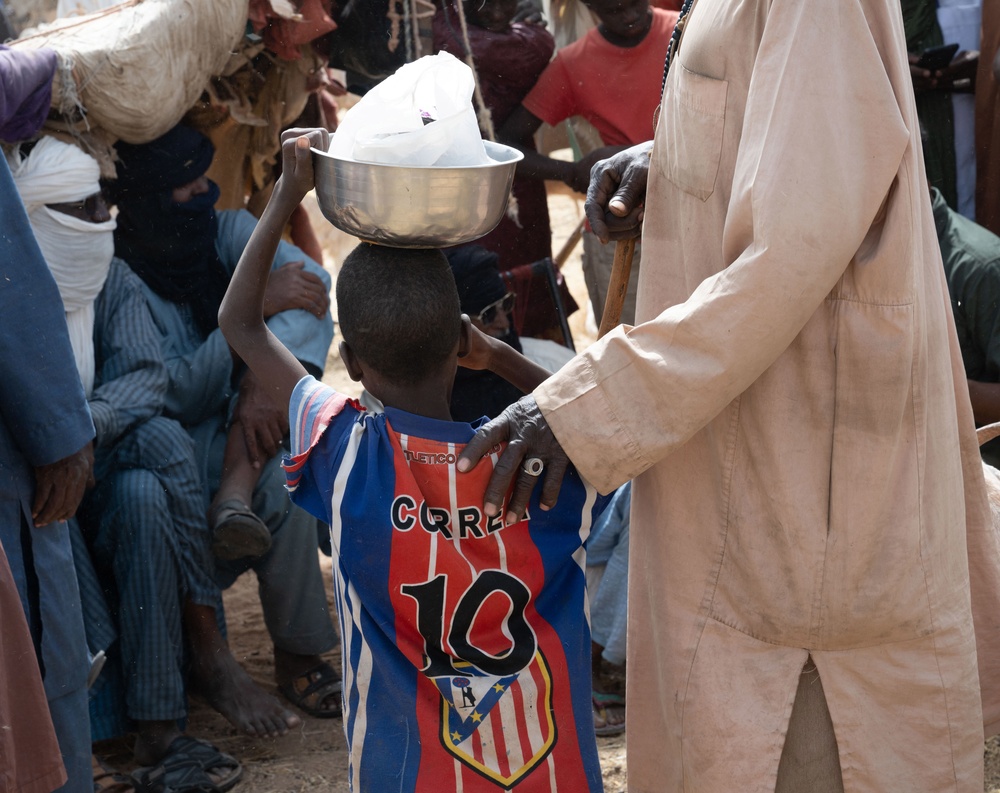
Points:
[(794, 410)]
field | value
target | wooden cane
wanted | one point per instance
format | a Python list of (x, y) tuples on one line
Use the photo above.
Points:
[(988, 433), (621, 269)]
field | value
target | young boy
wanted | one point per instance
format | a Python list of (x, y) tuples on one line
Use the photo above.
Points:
[(612, 77), (466, 647)]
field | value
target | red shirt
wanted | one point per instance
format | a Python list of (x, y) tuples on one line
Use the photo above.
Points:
[(616, 89)]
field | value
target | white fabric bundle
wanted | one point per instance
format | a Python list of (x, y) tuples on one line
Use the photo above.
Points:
[(78, 252), (138, 67), (421, 115)]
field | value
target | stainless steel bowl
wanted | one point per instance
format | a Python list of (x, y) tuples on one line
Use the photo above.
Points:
[(415, 206)]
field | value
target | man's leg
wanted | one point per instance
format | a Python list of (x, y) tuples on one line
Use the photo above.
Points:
[(131, 534), (163, 446), (292, 592), (810, 760)]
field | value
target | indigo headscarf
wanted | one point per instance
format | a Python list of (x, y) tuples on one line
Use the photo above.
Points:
[(171, 246)]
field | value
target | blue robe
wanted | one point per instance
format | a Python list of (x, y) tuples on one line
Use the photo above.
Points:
[(43, 418)]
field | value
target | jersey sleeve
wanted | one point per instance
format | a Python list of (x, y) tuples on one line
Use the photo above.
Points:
[(318, 418)]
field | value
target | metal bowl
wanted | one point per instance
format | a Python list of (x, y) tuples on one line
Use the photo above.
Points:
[(415, 206)]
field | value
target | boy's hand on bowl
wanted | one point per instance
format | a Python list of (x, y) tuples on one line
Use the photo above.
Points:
[(297, 159)]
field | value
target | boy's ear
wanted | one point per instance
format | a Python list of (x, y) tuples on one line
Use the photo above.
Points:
[(354, 368), (463, 337)]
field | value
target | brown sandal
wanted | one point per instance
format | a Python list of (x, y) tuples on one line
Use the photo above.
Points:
[(236, 531), (107, 780), (310, 691)]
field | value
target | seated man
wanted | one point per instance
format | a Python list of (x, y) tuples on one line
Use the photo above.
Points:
[(144, 523), (171, 236)]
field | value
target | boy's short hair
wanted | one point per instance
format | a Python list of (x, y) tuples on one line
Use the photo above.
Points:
[(398, 309)]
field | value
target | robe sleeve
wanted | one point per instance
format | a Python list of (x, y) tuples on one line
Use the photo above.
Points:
[(823, 136), (132, 379)]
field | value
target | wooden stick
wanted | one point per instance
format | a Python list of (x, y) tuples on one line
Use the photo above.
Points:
[(620, 272), (560, 258), (988, 433)]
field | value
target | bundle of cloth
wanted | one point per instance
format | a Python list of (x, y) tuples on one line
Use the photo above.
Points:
[(134, 69)]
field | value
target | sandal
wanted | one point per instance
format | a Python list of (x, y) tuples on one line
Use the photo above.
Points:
[(609, 719), (311, 690), (607, 699), (107, 780), (189, 766), (236, 531)]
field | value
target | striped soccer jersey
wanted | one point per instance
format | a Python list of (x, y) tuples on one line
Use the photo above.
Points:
[(465, 643)]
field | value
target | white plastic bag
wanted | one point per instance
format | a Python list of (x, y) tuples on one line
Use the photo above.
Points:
[(421, 115)]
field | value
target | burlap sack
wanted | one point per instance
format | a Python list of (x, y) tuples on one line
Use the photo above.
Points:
[(136, 68)]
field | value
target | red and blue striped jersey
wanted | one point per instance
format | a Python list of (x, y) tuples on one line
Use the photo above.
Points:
[(466, 644)]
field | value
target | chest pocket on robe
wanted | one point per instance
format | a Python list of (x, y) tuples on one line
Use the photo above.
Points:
[(693, 119)]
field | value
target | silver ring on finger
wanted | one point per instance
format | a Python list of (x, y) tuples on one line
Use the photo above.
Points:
[(533, 466)]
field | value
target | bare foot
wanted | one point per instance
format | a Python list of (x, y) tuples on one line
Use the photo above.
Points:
[(219, 678), (230, 690)]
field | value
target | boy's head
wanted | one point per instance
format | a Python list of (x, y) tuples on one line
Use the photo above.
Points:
[(399, 312), (622, 21), (492, 15)]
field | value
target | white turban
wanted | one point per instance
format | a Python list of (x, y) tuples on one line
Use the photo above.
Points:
[(77, 251)]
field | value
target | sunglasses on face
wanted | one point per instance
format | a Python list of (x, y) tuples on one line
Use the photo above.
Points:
[(489, 314), (88, 207)]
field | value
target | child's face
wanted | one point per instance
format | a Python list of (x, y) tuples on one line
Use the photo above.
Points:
[(492, 15), (623, 18)]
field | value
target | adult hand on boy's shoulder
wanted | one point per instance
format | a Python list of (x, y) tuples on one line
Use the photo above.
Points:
[(297, 176), (528, 438), (263, 421)]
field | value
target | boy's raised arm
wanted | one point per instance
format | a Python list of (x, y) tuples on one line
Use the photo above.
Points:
[(241, 316), (486, 352)]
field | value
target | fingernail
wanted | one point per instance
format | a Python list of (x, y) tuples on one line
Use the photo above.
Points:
[(492, 510), (464, 465), (510, 519)]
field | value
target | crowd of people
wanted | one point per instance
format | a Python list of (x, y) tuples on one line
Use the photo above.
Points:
[(786, 417)]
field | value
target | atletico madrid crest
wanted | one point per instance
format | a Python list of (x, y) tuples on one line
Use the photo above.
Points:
[(500, 727)]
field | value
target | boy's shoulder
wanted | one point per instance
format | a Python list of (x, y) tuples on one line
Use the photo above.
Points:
[(313, 407)]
